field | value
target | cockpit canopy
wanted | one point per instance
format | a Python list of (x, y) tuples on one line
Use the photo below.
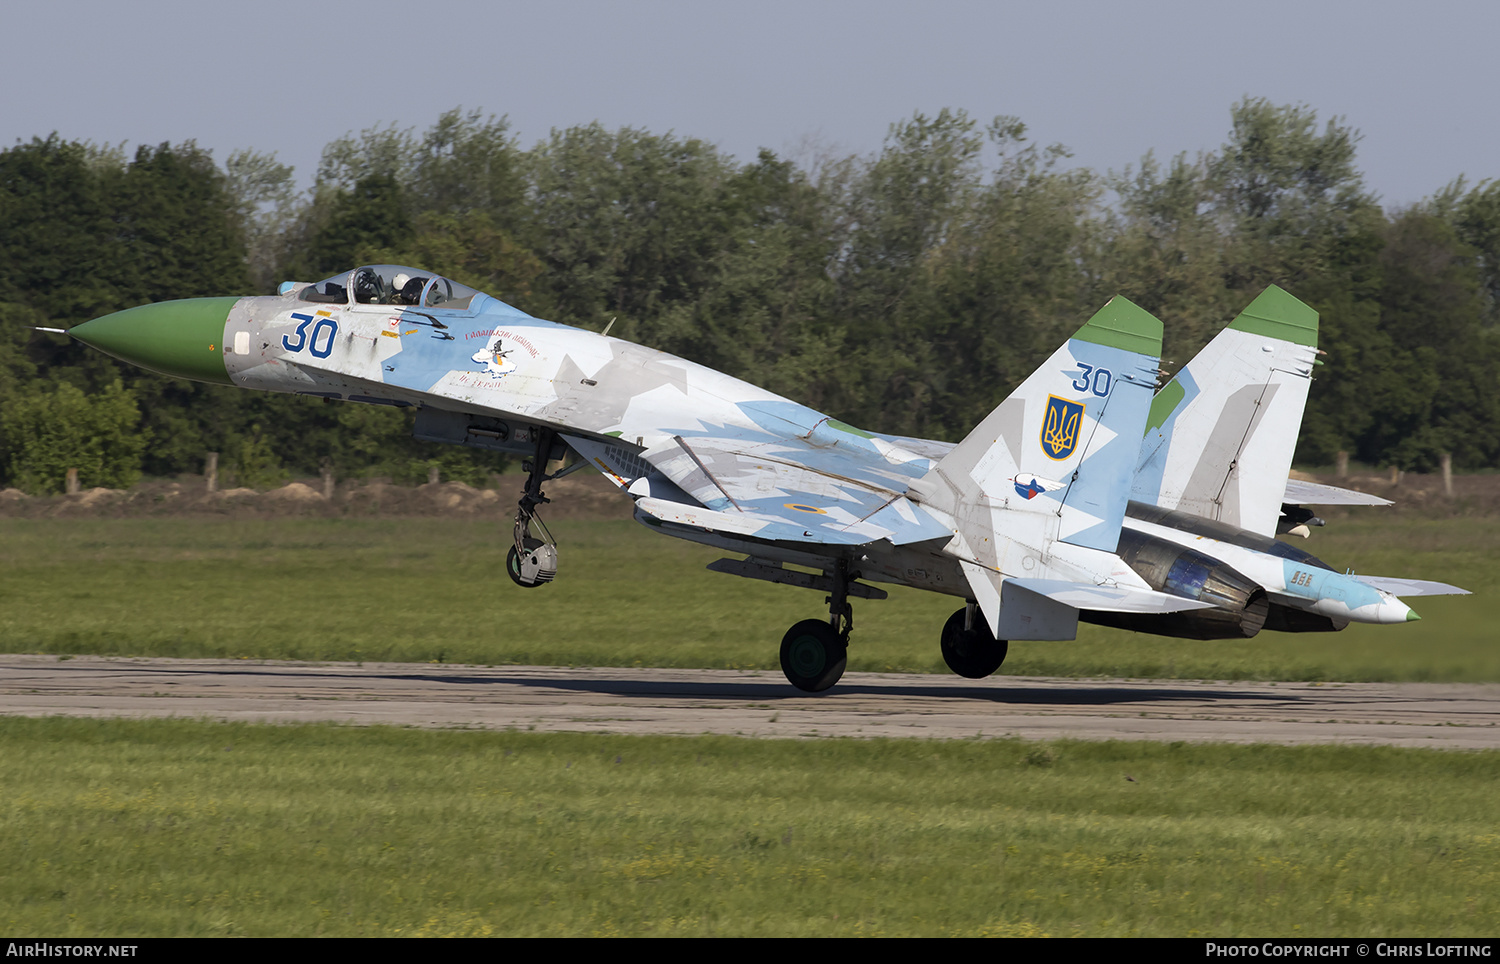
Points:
[(389, 284)]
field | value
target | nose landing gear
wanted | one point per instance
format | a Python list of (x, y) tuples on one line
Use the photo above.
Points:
[(532, 561)]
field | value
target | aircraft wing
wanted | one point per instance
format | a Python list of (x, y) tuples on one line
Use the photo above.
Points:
[(773, 481), (1299, 492), (779, 488)]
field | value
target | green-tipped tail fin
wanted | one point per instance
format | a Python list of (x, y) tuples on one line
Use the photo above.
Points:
[(1221, 435)]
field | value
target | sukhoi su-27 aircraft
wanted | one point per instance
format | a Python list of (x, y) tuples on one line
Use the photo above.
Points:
[(1084, 495)]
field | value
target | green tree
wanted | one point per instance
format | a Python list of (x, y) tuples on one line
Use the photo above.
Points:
[(85, 231), (953, 285), (174, 227), (762, 312), (901, 207), (1292, 209), (255, 464), (466, 163), (1008, 283), (628, 224), (1161, 248), (49, 432), (1475, 216), (1439, 396), (56, 247), (267, 203), (371, 214)]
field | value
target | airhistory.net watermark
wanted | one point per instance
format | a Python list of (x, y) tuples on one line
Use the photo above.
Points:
[(67, 949)]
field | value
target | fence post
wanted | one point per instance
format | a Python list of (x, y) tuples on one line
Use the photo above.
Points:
[(211, 472), (72, 482)]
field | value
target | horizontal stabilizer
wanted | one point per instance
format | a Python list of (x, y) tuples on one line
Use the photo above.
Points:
[(1412, 587), (1048, 608), (1299, 492), (1109, 599)]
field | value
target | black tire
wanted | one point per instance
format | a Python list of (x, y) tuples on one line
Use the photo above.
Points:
[(813, 656), (974, 654), (513, 569)]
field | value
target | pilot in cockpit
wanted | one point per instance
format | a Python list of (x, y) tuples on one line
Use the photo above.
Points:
[(386, 284), (406, 290)]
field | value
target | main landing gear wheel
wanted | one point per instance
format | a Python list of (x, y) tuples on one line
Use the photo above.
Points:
[(813, 656), (974, 652)]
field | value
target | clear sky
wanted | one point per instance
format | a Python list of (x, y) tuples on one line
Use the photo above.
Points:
[(1109, 80)]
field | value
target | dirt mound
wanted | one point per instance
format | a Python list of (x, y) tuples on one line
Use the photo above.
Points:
[(296, 492), (84, 503), (458, 497)]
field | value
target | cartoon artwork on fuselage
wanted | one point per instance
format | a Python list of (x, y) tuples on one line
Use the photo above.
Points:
[(496, 364)]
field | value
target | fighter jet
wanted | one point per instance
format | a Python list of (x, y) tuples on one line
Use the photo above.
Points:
[(1029, 520)]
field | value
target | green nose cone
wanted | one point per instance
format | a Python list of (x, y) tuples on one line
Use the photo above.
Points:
[(182, 338)]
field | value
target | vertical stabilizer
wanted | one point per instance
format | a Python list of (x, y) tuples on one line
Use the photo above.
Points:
[(1221, 435), (1054, 461)]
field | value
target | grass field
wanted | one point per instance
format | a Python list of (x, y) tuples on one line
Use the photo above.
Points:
[(144, 828), (127, 828), (434, 590)]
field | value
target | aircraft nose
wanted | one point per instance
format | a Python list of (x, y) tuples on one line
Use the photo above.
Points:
[(183, 338)]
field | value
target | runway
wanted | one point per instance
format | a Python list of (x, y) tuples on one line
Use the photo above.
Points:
[(754, 704)]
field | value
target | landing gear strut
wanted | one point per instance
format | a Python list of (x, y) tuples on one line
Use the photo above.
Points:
[(969, 648), (532, 561), (814, 652)]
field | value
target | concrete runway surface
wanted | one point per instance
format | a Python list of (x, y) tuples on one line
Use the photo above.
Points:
[(760, 704)]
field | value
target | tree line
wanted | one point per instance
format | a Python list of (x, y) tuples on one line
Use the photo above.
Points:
[(907, 291)]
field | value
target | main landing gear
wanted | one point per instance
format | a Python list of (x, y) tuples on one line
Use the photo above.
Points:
[(969, 648), (532, 561), (814, 652)]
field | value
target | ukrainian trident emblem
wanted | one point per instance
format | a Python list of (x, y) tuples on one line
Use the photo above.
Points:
[(1060, 427)]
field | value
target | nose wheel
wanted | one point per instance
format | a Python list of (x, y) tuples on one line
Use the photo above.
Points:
[(533, 565)]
